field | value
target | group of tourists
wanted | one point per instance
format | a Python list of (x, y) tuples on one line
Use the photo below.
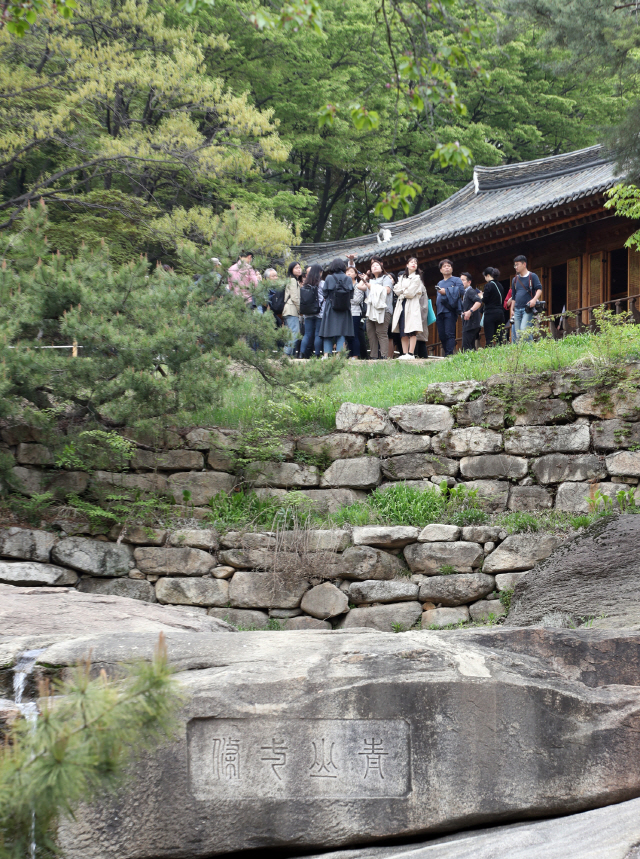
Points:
[(488, 308), (343, 308)]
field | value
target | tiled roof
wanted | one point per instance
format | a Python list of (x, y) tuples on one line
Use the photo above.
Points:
[(494, 196)]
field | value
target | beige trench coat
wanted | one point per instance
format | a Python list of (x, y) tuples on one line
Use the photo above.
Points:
[(292, 298), (408, 289)]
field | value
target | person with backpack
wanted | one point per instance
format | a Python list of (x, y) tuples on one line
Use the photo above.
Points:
[(337, 323), (494, 321), (379, 298), (471, 313), (449, 293), (526, 290), (291, 309), (311, 306), (356, 345), (275, 297)]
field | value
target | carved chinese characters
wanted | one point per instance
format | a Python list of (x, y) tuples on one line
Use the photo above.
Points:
[(231, 759)]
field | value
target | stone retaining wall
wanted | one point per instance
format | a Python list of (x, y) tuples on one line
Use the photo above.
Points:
[(548, 442), (380, 577), (558, 440)]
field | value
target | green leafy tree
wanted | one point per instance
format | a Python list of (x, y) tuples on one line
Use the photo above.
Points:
[(111, 118), (598, 38), (87, 734), (522, 108)]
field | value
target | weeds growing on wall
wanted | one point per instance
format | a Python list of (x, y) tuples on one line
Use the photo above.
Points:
[(404, 505), (244, 509)]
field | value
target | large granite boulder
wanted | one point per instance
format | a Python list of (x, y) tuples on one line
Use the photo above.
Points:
[(612, 832), (358, 473), (470, 441), (485, 411), (450, 393), (388, 617), (135, 589), (543, 412), (533, 441), (386, 537), (331, 738), (583, 497), (286, 475), (595, 575), (249, 589), (360, 563), (431, 558), (168, 562), (168, 460), (202, 592), (493, 466), (28, 613), (199, 487), (411, 466), (325, 600), (394, 445), (374, 591)]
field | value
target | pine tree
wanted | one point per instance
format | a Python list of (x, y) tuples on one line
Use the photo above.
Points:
[(87, 734), (152, 344)]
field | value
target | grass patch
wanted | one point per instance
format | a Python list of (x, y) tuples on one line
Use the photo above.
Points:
[(395, 505), (244, 510), (405, 505), (554, 520), (388, 383)]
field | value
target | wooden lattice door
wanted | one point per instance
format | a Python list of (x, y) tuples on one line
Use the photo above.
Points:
[(596, 272)]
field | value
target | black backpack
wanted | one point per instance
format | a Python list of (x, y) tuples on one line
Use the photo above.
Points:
[(341, 298), (276, 301), (309, 300)]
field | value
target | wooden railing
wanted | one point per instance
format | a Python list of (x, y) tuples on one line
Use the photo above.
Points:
[(577, 321), (583, 319)]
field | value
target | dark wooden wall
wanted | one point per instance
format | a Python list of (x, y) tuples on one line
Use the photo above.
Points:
[(577, 266)]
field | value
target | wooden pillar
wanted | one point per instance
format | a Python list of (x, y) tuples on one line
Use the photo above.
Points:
[(573, 289), (633, 272)]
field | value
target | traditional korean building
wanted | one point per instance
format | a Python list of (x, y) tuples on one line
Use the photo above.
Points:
[(552, 210)]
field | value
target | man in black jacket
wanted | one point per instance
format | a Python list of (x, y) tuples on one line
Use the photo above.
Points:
[(471, 313)]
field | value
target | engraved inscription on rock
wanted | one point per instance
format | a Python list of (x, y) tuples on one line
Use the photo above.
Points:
[(242, 758)]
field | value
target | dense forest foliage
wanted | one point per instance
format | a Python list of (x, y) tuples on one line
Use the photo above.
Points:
[(151, 125)]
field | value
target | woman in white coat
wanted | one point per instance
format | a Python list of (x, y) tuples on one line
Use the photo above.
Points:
[(407, 317)]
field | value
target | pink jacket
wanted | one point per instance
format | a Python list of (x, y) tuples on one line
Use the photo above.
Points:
[(241, 279)]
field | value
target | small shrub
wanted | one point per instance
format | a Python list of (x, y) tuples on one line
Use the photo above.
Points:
[(91, 450), (33, 508), (398, 627), (244, 509), (582, 521), (447, 570), (404, 505), (505, 597), (123, 509), (520, 523), (321, 460)]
